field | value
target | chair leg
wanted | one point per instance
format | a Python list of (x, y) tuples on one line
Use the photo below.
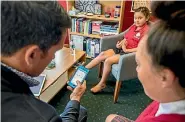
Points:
[(100, 70), (117, 90)]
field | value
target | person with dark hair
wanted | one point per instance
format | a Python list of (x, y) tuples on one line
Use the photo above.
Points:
[(31, 33), (161, 65), (128, 44)]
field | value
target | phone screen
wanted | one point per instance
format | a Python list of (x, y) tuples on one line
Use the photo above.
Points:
[(79, 76)]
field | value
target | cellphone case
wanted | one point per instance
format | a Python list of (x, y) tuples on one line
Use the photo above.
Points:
[(79, 68)]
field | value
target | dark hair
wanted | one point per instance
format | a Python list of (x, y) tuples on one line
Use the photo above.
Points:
[(166, 41), (25, 23), (143, 10)]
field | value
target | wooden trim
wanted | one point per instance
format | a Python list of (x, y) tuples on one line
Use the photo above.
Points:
[(96, 17), (53, 89), (117, 90), (87, 35), (121, 16)]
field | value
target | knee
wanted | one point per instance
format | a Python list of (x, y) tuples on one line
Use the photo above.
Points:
[(82, 114), (101, 56), (108, 61), (110, 117), (83, 110)]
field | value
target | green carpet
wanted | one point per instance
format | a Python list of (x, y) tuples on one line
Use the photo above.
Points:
[(131, 101)]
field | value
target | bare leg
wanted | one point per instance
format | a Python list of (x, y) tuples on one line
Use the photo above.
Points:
[(101, 57), (106, 70)]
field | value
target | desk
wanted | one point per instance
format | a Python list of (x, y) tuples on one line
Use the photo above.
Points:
[(58, 76)]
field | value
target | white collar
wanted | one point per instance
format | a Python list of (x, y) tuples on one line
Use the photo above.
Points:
[(177, 107)]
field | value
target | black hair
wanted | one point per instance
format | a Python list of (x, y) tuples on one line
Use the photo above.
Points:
[(26, 23), (166, 40), (143, 10)]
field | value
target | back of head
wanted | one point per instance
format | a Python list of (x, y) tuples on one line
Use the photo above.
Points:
[(171, 12), (26, 23), (166, 41)]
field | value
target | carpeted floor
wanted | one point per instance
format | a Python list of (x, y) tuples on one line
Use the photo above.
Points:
[(131, 102)]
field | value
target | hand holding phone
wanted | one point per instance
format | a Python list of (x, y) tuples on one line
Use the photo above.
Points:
[(77, 83), (79, 75), (78, 91)]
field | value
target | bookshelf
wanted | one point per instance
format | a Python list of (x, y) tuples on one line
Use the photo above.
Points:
[(96, 17), (105, 4), (86, 35)]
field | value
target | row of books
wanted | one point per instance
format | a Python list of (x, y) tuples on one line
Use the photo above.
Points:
[(85, 26), (81, 25), (108, 29), (90, 45)]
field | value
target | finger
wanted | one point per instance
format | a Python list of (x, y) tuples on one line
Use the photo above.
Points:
[(84, 83), (78, 83), (69, 88)]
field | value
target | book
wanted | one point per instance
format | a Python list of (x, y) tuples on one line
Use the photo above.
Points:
[(88, 47), (93, 49), (96, 27), (84, 44), (78, 41), (97, 47)]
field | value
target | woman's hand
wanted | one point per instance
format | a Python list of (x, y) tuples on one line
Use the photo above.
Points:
[(124, 48), (78, 92), (125, 42), (124, 45), (119, 44)]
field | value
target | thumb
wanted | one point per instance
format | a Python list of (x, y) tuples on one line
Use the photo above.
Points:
[(69, 88), (78, 83), (84, 83)]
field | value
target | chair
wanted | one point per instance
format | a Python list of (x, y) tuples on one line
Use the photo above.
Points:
[(125, 69)]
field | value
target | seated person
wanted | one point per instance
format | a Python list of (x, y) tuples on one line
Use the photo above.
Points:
[(127, 45), (32, 33), (161, 66)]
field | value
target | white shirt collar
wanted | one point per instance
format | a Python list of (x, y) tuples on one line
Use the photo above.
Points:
[(177, 107)]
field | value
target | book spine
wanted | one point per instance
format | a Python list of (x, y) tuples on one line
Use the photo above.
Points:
[(97, 47), (92, 48)]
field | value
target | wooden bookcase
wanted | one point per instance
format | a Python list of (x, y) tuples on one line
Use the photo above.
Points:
[(105, 4)]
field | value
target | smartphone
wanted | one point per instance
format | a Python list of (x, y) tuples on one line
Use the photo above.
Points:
[(79, 75), (36, 90)]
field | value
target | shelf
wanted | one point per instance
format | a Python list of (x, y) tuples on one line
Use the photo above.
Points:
[(89, 57), (96, 17), (87, 35)]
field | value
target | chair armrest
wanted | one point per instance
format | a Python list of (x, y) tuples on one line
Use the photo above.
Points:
[(127, 65), (109, 42)]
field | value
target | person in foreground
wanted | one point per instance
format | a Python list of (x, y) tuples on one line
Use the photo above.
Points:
[(127, 45), (161, 65), (32, 32)]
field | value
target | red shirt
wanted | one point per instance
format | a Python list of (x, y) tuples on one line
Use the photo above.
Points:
[(148, 115), (133, 37)]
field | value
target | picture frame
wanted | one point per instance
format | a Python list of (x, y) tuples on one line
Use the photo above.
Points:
[(86, 5), (140, 3)]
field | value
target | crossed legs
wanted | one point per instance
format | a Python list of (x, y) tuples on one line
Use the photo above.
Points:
[(109, 58), (101, 57)]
